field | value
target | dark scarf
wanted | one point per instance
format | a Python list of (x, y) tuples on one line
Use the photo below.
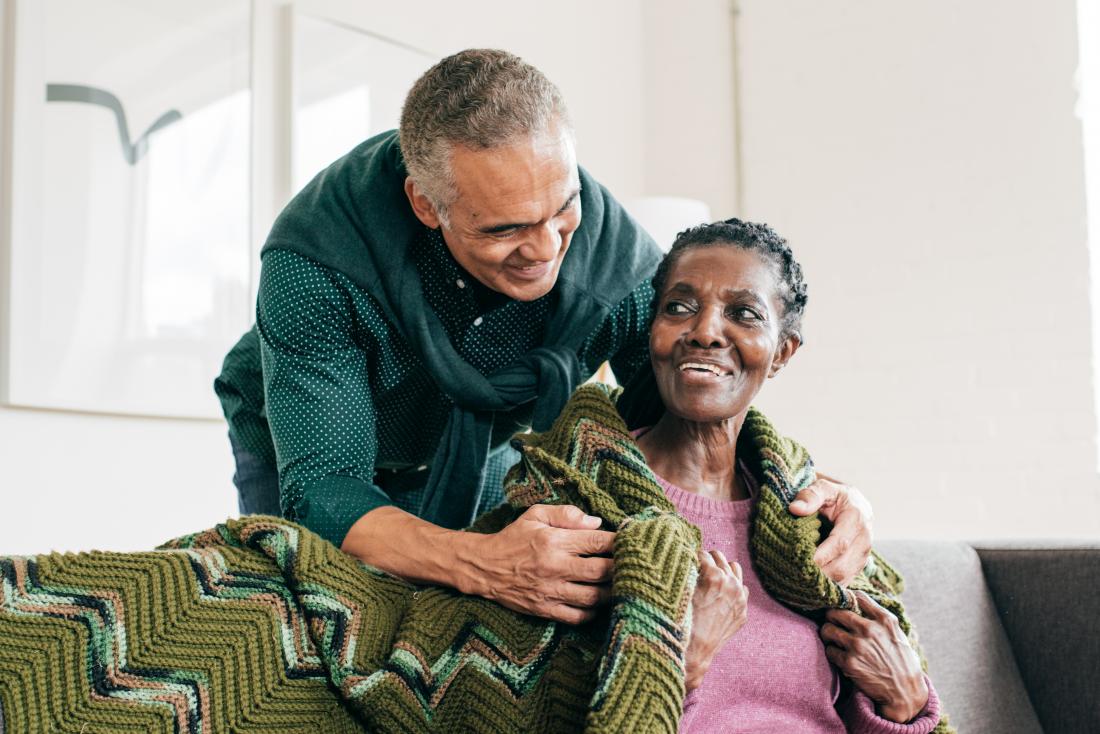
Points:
[(354, 217)]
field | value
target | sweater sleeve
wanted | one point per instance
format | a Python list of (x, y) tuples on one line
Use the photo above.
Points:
[(860, 716), (623, 337), (318, 396)]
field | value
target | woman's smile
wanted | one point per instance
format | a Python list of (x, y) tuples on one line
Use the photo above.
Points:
[(693, 373), (716, 333)]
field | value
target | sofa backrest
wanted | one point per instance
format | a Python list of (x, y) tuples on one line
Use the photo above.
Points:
[(1048, 597), (969, 657)]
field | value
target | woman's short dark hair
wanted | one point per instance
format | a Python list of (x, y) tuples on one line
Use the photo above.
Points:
[(759, 238)]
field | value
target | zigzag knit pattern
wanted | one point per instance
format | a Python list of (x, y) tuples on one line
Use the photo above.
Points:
[(260, 625)]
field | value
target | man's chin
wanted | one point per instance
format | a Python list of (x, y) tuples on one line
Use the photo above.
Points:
[(527, 292), (526, 289)]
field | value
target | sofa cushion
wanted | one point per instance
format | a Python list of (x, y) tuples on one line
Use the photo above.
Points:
[(969, 657)]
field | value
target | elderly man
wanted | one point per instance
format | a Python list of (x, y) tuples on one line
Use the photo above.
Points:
[(425, 297)]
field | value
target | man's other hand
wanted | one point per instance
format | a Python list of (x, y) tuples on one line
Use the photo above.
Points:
[(844, 553)]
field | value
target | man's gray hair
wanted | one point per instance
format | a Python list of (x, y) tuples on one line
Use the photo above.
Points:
[(478, 98)]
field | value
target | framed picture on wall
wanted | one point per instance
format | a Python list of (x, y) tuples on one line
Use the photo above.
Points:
[(130, 203)]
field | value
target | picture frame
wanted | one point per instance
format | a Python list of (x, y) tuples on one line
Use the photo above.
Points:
[(128, 198)]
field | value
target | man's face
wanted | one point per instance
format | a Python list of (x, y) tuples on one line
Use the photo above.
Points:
[(517, 208)]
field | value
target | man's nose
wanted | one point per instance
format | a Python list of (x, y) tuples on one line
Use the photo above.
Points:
[(707, 328), (543, 243)]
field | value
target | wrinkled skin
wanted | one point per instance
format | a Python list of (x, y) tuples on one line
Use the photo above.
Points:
[(720, 607), (875, 654)]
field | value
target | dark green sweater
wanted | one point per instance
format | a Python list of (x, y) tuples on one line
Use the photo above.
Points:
[(349, 399)]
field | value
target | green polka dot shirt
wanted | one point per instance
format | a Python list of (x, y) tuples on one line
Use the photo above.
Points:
[(351, 415)]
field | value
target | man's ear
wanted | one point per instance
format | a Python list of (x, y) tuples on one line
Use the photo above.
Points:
[(784, 352), (422, 207)]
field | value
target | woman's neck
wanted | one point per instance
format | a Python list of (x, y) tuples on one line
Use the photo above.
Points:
[(698, 457)]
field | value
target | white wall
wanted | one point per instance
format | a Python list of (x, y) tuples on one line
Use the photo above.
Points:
[(925, 162), (73, 481), (689, 121)]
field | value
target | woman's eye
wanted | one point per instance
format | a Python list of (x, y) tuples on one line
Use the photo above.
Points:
[(744, 313), (675, 307)]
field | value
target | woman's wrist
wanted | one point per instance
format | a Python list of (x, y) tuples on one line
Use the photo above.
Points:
[(693, 676), (697, 662), (908, 705)]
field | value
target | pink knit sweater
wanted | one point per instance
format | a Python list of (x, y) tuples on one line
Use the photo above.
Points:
[(772, 676)]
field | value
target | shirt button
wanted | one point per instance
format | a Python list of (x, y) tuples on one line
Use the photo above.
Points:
[(460, 283), (478, 320)]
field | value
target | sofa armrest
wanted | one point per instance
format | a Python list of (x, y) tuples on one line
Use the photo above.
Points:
[(1048, 597)]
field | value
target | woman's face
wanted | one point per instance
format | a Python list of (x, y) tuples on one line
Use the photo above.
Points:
[(716, 334)]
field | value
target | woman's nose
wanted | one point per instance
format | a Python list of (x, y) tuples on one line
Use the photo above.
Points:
[(707, 329)]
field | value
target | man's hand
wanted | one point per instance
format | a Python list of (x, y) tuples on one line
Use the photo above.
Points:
[(844, 553), (547, 563)]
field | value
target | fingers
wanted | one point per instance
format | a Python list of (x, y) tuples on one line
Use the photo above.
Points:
[(849, 621), (564, 516), (837, 656), (720, 560), (585, 596), (588, 542), (836, 557), (717, 561), (844, 553), (732, 568), (872, 609), (834, 635), (570, 615), (811, 499), (591, 570)]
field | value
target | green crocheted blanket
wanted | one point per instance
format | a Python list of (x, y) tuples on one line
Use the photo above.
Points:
[(260, 625)]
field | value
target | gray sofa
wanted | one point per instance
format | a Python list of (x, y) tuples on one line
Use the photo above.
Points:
[(1011, 632)]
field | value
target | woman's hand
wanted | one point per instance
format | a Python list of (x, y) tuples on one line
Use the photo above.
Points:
[(874, 653), (720, 607)]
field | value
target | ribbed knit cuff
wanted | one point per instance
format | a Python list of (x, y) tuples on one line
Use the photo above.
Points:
[(330, 506), (861, 717)]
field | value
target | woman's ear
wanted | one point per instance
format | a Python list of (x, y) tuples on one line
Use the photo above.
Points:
[(422, 207), (784, 352)]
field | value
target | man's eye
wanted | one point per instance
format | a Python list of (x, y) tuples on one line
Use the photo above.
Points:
[(675, 307)]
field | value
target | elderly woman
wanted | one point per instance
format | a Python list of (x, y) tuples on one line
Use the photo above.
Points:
[(726, 318)]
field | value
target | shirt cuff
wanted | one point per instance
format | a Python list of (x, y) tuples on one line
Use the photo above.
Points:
[(330, 506), (861, 717)]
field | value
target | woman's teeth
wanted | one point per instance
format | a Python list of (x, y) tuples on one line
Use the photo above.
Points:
[(713, 369)]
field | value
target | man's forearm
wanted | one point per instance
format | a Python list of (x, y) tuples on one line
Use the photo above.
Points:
[(413, 549)]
